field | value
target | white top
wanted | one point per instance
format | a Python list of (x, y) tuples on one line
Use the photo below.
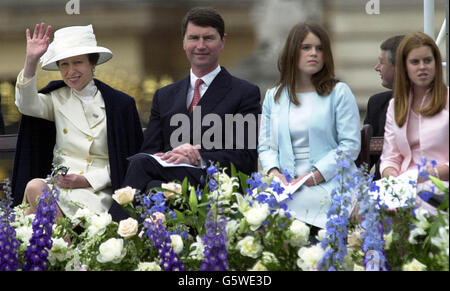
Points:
[(299, 117), (207, 80)]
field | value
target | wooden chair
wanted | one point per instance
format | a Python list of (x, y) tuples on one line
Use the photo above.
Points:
[(370, 145)]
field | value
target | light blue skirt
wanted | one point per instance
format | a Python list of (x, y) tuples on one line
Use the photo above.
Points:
[(310, 204)]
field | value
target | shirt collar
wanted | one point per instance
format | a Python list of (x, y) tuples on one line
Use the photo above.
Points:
[(207, 79)]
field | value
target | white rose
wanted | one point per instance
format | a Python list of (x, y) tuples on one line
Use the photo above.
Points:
[(98, 223), (111, 251), (256, 215), (124, 196), (309, 257), (298, 233), (414, 265), (172, 187), (128, 227), (249, 247), (148, 266), (177, 243)]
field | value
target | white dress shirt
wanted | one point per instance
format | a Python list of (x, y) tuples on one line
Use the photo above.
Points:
[(207, 80)]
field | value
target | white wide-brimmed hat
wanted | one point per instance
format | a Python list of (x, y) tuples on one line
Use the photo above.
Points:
[(73, 41)]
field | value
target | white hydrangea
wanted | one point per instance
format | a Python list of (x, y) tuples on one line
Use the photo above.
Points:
[(309, 257)]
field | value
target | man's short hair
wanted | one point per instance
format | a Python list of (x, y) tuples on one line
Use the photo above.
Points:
[(390, 46), (204, 16)]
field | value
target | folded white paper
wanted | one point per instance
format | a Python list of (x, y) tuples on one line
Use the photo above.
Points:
[(289, 189), (166, 164)]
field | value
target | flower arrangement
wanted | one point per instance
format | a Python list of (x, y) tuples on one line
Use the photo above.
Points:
[(233, 223)]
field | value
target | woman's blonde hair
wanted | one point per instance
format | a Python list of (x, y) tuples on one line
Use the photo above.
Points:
[(323, 81), (402, 83)]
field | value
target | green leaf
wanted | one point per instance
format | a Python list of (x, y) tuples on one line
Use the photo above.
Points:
[(184, 187), (233, 170), (180, 215), (243, 179), (438, 184), (193, 201)]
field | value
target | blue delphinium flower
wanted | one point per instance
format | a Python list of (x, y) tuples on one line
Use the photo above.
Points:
[(372, 236), (334, 243), (9, 260), (215, 244), (161, 238), (147, 204), (36, 255), (255, 182), (287, 175)]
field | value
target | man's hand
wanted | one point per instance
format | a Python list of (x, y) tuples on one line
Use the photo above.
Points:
[(185, 153)]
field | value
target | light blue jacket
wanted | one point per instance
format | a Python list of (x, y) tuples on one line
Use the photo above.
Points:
[(334, 123)]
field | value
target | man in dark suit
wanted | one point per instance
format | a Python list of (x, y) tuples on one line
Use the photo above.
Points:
[(190, 119), (378, 103)]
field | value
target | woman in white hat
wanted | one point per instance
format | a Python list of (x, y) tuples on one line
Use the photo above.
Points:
[(79, 122)]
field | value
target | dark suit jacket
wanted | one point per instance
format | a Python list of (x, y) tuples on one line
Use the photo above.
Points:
[(376, 116), (36, 140), (225, 95)]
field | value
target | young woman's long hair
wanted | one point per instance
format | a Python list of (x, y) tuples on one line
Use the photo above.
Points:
[(323, 81), (402, 83)]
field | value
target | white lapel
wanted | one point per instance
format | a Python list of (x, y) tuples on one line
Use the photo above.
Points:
[(95, 111), (70, 106)]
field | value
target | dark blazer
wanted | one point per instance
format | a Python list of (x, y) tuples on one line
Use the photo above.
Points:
[(36, 140), (225, 95), (376, 116)]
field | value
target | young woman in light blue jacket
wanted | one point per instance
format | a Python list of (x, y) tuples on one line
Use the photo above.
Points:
[(305, 118)]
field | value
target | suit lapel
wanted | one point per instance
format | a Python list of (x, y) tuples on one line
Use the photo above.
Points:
[(216, 92), (179, 100), (73, 111)]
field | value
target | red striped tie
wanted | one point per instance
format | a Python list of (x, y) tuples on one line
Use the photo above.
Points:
[(197, 96)]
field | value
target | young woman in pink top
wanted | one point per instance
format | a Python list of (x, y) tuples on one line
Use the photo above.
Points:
[(417, 121)]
